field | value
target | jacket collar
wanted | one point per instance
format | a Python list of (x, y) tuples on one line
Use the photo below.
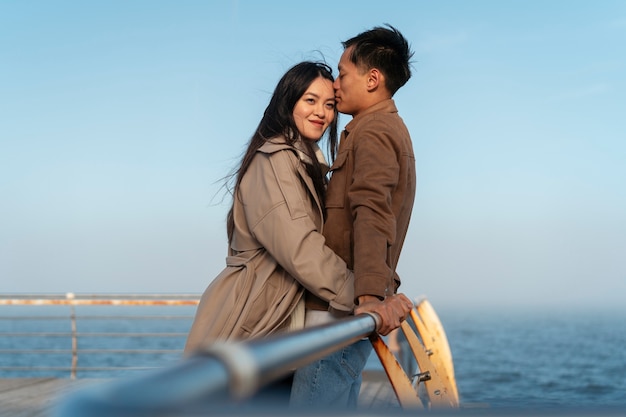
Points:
[(275, 144), (385, 106), (279, 143)]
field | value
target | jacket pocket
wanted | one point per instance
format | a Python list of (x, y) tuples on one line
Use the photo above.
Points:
[(259, 308), (266, 310), (338, 185)]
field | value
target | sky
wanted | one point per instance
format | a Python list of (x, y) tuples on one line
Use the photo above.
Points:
[(119, 120)]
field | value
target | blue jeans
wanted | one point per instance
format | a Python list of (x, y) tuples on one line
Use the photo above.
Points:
[(333, 381)]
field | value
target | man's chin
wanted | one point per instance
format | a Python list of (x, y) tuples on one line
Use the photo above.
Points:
[(342, 109)]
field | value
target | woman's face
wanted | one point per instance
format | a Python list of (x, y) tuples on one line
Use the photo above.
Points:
[(315, 110)]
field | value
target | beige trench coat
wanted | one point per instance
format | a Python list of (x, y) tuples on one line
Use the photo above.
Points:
[(276, 252)]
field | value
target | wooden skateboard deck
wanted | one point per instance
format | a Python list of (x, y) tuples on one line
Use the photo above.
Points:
[(434, 360), (436, 342), (438, 390)]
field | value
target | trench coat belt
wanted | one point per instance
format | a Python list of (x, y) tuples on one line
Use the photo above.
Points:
[(236, 260), (242, 263)]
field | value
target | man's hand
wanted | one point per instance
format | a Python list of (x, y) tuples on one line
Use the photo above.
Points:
[(392, 311)]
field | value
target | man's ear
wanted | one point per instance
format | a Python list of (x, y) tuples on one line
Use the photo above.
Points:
[(374, 79)]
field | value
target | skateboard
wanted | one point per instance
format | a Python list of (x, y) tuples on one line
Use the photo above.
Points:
[(436, 343)]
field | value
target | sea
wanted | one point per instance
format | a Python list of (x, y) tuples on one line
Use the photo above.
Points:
[(507, 359)]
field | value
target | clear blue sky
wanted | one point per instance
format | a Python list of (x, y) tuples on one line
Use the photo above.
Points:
[(118, 119)]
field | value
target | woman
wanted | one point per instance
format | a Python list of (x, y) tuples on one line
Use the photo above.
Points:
[(274, 226)]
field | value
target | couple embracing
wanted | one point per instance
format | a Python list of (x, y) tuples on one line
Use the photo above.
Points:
[(304, 250)]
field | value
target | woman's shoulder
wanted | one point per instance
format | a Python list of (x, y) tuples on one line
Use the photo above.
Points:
[(276, 152), (275, 158), (276, 144)]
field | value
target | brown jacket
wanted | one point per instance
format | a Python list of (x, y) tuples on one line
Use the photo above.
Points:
[(370, 199), (277, 250)]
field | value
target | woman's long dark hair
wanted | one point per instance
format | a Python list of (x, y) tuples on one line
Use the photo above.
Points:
[(278, 121)]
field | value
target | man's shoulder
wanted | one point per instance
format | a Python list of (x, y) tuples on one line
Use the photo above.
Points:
[(381, 131), (381, 124), (383, 113)]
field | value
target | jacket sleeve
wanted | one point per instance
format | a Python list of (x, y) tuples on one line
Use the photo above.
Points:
[(275, 203), (375, 177)]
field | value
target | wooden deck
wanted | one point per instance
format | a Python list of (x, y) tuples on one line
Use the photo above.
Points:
[(376, 391), (36, 397)]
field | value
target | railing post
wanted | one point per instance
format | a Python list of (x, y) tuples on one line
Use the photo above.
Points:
[(67, 306), (70, 296)]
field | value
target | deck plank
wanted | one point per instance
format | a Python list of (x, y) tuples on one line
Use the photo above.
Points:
[(377, 392), (34, 397)]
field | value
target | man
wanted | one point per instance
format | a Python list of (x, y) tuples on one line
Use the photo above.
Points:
[(369, 203)]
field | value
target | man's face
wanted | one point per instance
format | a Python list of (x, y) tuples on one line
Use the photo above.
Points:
[(350, 86)]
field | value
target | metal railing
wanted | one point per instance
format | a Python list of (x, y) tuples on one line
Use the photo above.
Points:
[(87, 335), (210, 381), (221, 375)]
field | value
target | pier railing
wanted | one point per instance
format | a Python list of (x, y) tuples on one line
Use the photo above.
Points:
[(86, 335), (220, 374), (218, 377)]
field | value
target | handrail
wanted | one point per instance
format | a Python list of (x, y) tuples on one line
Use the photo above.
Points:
[(217, 376)]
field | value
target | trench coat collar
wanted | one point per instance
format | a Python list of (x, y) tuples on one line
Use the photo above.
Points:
[(279, 143)]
